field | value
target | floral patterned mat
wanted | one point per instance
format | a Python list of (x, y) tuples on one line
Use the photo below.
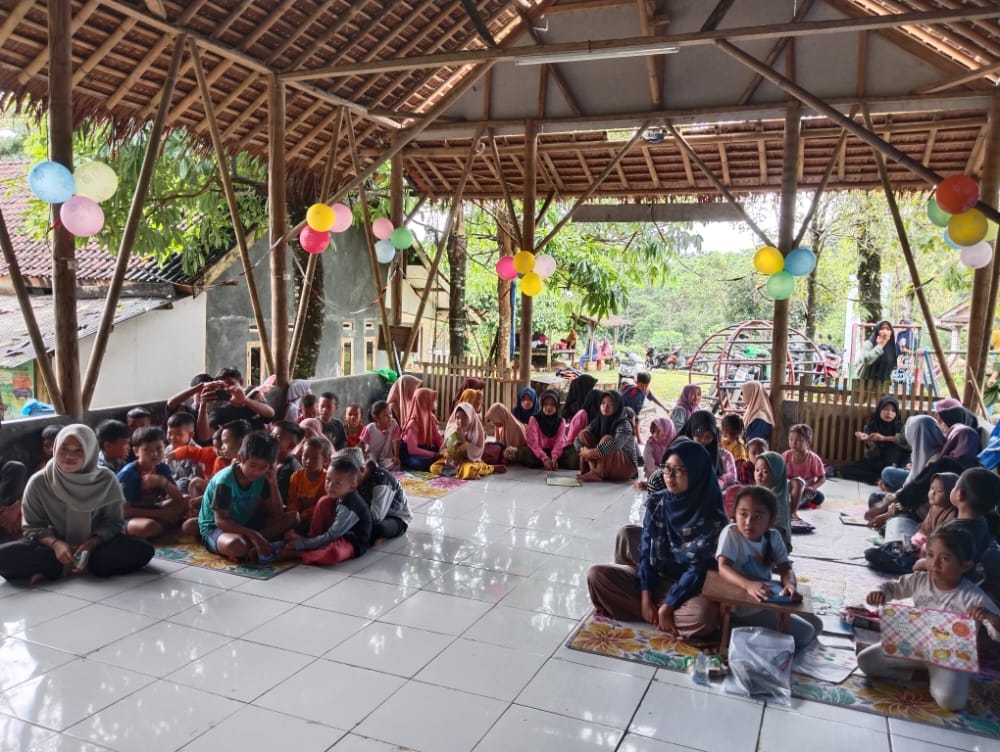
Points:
[(910, 701), (429, 486), (194, 553)]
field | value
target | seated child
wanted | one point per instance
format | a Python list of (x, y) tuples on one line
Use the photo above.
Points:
[(755, 448), (307, 407), (138, 417), (382, 436), (975, 498), (940, 511), (289, 435), (341, 526), (805, 472), (770, 472), (589, 411), (546, 435), (422, 440), (527, 404), (464, 442), (240, 509), (352, 424), (191, 470), (306, 485), (153, 503), (48, 439), (510, 436), (114, 440), (945, 587), (749, 551), (661, 434), (333, 429), (384, 495), (732, 442)]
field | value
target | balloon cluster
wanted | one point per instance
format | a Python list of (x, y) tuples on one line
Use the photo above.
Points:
[(79, 193), (782, 270), (390, 239), (966, 229), (533, 269), (321, 220)]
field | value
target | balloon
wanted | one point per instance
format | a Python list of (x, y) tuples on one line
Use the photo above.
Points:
[(95, 180), (948, 241), (800, 262), (991, 230), (401, 238), (957, 193), (505, 268), (82, 216), (967, 228), (545, 265), (342, 217), (385, 251), (382, 228), (977, 256), (531, 284), (524, 261), (768, 260), (780, 285), (312, 241), (936, 214), (51, 182), (320, 217)]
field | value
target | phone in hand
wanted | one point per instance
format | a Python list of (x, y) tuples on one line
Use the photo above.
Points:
[(80, 560), (222, 395)]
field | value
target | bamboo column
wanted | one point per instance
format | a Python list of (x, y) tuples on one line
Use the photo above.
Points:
[(528, 244), (278, 226), (397, 270), (67, 344), (131, 226)]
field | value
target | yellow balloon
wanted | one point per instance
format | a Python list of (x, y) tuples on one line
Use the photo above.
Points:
[(320, 217), (768, 260), (968, 228), (531, 283), (524, 262)]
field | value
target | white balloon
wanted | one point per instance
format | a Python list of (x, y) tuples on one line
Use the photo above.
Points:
[(977, 256), (545, 265), (385, 251)]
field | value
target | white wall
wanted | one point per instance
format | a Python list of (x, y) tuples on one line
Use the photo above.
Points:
[(152, 356)]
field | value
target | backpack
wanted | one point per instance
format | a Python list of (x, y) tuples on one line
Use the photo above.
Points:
[(634, 397)]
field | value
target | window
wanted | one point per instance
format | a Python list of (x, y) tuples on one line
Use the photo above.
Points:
[(346, 358), (256, 370), (369, 353)]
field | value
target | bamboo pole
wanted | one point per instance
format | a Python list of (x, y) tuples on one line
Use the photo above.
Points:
[(397, 269), (28, 313), (131, 227), (277, 226), (911, 264), (67, 342), (836, 116), (528, 244), (456, 206), (234, 210), (303, 310), (508, 199)]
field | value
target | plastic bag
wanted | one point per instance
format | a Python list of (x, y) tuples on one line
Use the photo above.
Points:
[(760, 664)]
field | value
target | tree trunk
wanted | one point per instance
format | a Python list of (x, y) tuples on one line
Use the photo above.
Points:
[(816, 241), (869, 265), (457, 309), (304, 366), (503, 297)]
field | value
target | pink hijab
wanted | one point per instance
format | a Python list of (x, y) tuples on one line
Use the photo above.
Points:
[(687, 397), (422, 417), (511, 430), (473, 434), (313, 427), (401, 397), (660, 441)]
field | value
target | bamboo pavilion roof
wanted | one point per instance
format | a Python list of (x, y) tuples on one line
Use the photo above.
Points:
[(925, 71)]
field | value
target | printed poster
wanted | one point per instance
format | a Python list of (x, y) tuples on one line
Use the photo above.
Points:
[(940, 638), (17, 386)]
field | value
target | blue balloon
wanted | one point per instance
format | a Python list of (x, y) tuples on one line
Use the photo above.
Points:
[(385, 251), (51, 182), (800, 262), (950, 243)]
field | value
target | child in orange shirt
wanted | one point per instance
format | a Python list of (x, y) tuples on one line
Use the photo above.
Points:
[(306, 486)]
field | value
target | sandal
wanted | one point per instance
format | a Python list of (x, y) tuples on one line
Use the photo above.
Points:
[(801, 527)]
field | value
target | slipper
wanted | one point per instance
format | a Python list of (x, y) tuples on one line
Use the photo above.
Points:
[(801, 527)]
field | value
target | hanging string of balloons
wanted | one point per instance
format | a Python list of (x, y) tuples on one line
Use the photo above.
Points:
[(390, 239), (966, 229), (782, 270), (533, 270), (321, 220), (79, 193)]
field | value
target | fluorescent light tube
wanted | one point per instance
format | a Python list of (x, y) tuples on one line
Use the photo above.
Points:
[(610, 53)]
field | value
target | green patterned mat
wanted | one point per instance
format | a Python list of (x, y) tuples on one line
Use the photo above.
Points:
[(195, 554)]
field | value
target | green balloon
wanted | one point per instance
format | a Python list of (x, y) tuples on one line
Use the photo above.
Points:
[(780, 285), (936, 214), (401, 238)]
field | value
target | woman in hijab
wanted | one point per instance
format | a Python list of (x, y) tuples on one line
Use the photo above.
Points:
[(676, 544), (313, 428), (469, 384), (925, 438), (527, 404), (757, 415), (474, 397), (507, 430), (607, 446), (589, 411), (687, 403), (878, 355), (464, 442), (546, 437), (882, 446), (401, 397), (579, 388), (73, 518), (296, 391), (422, 441), (701, 427), (661, 436), (770, 472)]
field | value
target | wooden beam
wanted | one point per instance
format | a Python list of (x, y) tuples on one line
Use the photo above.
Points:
[(951, 83), (762, 159), (557, 74), (724, 163), (277, 199), (528, 239), (615, 160), (650, 165), (234, 211), (508, 198), (688, 151), (673, 212), (652, 69), (398, 270), (611, 46), (135, 216), (303, 311)]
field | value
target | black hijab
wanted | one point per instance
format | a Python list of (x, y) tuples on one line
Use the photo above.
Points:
[(881, 369), (877, 425), (959, 415), (699, 422), (550, 425), (605, 425), (579, 389), (592, 405)]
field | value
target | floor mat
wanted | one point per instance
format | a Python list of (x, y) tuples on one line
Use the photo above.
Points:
[(835, 584), (195, 554), (910, 701), (429, 486)]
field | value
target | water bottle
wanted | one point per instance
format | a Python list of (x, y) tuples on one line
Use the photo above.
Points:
[(699, 669)]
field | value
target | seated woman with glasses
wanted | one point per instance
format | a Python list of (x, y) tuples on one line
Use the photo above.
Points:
[(660, 567)]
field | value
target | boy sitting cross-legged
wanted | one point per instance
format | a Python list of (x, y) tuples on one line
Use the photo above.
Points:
[(114, 442), (153, 503)]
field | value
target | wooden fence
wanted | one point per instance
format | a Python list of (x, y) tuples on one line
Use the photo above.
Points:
[(444, 376), (835, 411)]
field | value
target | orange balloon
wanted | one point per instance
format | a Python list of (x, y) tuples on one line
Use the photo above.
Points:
[(957, 193)]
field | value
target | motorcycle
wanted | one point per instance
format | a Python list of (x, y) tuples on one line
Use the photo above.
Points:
[(666, 359), (629, 365)]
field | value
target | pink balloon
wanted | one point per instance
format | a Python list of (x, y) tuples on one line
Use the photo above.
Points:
[(312, 241), (505, 268), (342, 217), (82, 216), (382, 228)]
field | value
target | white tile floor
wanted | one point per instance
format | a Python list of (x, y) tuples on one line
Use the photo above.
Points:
[(449, 639)]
